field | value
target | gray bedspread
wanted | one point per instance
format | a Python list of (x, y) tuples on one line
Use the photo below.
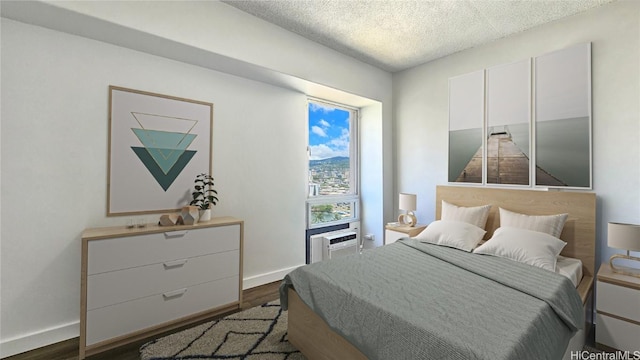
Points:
[(411, 300)]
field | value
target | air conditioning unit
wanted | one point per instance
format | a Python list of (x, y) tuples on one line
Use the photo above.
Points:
[(341, 244), (333, 244)]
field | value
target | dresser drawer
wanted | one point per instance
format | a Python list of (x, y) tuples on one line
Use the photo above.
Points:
[(129, 284), (618, 300), (616, 333), (127, 252), (124, 318)]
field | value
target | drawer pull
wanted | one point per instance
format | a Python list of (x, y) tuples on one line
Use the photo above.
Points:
[(173, 294), (175, 263), (178, 233)]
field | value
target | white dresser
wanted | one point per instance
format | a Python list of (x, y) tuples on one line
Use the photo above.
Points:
[(617, 310), (140, 282)]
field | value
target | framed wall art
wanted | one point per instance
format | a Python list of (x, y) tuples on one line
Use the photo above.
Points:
[(508, 123), (157, 145), (466, 119), (563, 117), (526, 123)]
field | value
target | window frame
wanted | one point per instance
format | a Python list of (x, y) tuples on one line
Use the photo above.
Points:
[(353, 196)]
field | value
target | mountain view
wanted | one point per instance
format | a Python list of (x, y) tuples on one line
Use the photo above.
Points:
[(329, 166), (338, 161)]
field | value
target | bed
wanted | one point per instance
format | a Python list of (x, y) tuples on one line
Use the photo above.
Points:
[(489, 327)]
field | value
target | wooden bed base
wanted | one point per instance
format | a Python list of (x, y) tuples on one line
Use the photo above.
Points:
[(313, 337)]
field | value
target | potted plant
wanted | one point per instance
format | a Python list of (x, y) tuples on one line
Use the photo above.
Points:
[(204, 196)]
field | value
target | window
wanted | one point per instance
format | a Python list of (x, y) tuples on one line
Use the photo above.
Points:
[(333, 166)]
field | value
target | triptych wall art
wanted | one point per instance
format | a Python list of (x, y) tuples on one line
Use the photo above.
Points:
[(157, 145), (527, 123)]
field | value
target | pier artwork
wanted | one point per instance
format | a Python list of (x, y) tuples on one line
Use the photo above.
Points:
[(506, 163)]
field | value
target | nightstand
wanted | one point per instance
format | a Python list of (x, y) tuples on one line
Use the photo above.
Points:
[(617, 310), (394, 232)]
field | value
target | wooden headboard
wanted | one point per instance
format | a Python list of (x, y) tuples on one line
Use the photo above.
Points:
[(579, 231)]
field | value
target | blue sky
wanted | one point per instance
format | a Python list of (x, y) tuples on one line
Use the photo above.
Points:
[(328, 131)]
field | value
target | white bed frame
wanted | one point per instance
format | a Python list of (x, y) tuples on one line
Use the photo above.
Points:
[(313, 337)]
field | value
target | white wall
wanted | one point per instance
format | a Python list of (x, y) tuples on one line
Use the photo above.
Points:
[(54, 149), (217, 36), (217, 27), (421, 113), (54, 181), (372, 174)]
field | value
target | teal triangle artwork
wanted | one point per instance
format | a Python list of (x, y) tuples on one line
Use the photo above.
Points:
[(164, 147), (165, 179)]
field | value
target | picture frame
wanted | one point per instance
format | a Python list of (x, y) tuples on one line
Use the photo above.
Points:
[(466, 128), (563, 121), (508, 138), (157, 145), (541, 109)]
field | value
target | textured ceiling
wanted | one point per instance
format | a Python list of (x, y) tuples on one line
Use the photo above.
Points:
[(396, 34)]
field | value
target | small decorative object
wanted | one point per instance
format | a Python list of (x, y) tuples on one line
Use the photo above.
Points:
[(408, 203), (169, 219), (205, 215), (190, 215), (141, 223), (131, 223), (204, 196), (627, 237)]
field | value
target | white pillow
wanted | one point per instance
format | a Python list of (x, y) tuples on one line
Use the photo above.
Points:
[(550, 224), (526, 246), (475, 215), (455, 234)]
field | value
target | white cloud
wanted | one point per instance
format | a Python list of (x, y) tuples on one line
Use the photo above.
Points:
[(342, 141), (323, 151), (318, 131), (324, 123), (334, 147), (317, 106)]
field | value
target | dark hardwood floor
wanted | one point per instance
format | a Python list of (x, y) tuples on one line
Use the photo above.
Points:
[(68, 350)]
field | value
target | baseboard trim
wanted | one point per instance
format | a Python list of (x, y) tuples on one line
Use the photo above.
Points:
[(262, 279), (28, 342)]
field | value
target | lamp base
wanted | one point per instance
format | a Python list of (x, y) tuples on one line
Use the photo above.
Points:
[(624, 271), (408, 219)]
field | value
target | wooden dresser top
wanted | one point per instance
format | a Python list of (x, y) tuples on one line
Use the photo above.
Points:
[(153, 228)]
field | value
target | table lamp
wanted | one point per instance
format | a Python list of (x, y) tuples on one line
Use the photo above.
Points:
[(408, 203), (627, 237)]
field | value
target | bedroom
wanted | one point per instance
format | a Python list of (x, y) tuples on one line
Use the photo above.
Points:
[(60, 101)]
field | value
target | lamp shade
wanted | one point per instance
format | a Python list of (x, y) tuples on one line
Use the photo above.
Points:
[(408, 202), (624, 236)]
